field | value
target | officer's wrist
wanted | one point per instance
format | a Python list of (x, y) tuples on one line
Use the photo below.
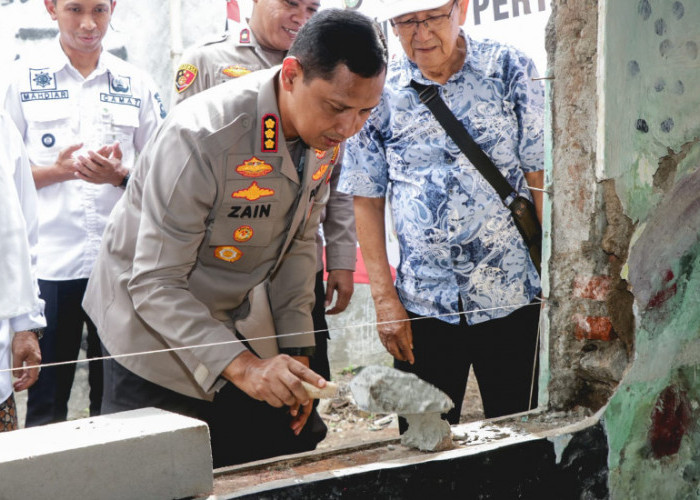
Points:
[(299, 351), (125, 180), (39, 332)]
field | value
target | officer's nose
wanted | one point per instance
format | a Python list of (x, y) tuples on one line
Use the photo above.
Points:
[(301, 14), (349, 124), (87, 22)]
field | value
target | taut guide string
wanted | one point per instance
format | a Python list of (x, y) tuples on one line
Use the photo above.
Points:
[(537, 302)]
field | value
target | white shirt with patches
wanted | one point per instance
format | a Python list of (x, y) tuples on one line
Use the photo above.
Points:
[(54, 107), (20, 306)]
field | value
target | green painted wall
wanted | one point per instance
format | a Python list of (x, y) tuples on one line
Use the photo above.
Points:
[(650, 121)]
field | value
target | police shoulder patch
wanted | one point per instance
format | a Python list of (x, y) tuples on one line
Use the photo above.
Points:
[(269, 133), (185, 77)]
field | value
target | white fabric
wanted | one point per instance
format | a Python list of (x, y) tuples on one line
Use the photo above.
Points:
[(20, 306), (54, 107), (389, 9)]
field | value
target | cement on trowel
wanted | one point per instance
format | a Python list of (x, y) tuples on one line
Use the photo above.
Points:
[(381, 389)]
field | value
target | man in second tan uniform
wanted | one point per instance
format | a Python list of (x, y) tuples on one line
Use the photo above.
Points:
[(262, 43), (215, 207)]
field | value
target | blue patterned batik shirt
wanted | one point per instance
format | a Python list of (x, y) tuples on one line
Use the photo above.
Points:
[(456, 236)]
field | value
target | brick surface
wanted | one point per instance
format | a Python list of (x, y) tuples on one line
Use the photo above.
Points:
[(592, 287), (593, 327)]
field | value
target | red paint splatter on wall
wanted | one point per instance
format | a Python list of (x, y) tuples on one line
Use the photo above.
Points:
[(663, 295), (669, 421)]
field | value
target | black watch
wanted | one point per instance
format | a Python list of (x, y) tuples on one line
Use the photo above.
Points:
[(39, 332), (125, 180)]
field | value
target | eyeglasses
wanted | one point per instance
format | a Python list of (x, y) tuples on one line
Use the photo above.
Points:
[(431, 23)]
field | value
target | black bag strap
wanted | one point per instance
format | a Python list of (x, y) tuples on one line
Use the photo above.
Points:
[(429, 96)]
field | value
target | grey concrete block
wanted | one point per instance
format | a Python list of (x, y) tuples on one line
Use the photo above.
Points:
[(147, 453)]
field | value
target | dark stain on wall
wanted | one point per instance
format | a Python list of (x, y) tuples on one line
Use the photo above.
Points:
[(670, 420)]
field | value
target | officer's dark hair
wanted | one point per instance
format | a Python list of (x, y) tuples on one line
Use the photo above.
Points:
[(335, 36)]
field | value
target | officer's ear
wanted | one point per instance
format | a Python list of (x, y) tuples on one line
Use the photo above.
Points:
[(292, 73), (50, 8)]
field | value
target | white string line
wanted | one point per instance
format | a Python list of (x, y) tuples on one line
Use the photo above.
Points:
[(536, 301)]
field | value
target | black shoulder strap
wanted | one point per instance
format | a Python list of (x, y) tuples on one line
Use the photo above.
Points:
[(429, 96)]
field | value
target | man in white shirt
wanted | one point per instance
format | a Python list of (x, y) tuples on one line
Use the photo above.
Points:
[(21, 310), (83, 115)]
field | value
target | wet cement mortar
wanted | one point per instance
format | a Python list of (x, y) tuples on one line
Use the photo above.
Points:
[(348, 425)]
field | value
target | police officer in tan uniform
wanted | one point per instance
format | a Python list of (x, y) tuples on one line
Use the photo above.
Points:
[(227, 196), (260, 44)]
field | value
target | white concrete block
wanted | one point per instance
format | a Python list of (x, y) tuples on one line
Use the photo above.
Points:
[(147, 453)]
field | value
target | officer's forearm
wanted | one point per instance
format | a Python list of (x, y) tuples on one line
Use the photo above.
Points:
[(45, 176)]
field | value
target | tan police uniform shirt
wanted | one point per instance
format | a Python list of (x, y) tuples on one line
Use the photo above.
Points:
[(214, 207), (237, 53), (231, 55)]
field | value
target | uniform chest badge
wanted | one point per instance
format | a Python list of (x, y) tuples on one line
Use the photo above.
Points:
[(235, 71), (48, 140), (254, 168), (320, 172), (253, 192), (245, 36), (228, 253), (269, 133), (243, 234), (186, 75), (42, 79)]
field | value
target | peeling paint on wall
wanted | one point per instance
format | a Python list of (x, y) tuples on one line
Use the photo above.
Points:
[(652, 152)]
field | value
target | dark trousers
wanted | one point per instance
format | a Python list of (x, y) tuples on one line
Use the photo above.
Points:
[(65, 318), (241, 429), (319, 362), (502, 352)]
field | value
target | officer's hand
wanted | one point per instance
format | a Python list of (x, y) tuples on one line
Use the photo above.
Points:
[(342, 282), (103, 166), (395, 329), (25, 352), (277, 380), (65, 164), (301, 413)]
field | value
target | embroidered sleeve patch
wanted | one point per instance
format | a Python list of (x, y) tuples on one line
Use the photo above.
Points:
[(186, 75), (269, 133)]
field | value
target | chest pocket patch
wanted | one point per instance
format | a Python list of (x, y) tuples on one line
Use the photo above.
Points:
[(48, 130)]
